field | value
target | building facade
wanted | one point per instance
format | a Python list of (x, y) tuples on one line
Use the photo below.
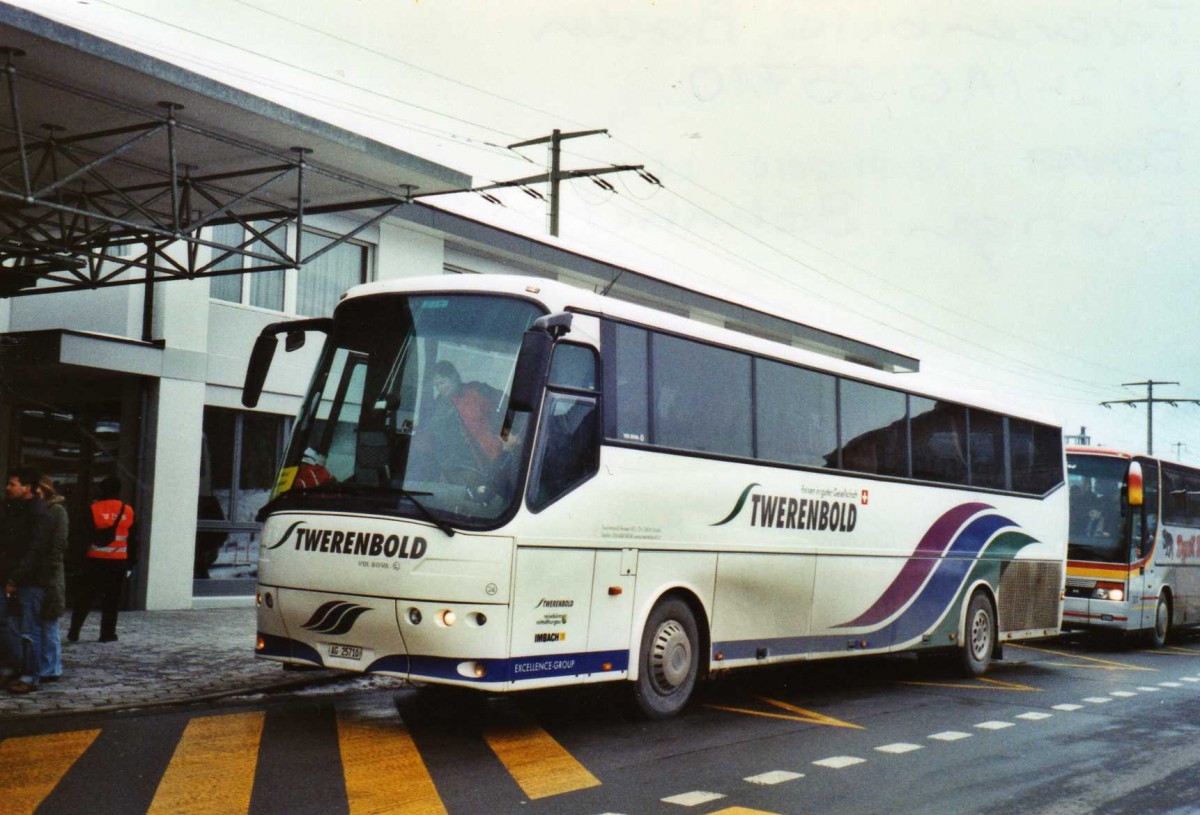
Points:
[(82, 396)]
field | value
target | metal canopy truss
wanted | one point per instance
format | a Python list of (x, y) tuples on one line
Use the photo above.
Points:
[(108, 157)]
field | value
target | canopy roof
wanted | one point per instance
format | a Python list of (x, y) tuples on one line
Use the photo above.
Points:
[(108, 155)]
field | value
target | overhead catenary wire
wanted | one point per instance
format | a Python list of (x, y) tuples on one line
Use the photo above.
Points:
[(474, 124)]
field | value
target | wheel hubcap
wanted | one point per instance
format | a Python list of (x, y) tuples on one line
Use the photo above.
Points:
[(981, 635), (670, 656)]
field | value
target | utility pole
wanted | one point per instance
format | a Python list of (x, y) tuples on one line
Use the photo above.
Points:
[(556, 174), (1149, 402), (1179, 448)]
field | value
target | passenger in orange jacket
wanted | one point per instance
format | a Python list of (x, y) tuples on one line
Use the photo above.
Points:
[(477, 407)]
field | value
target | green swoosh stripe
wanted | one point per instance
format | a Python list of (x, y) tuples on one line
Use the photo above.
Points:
[(741, 502)]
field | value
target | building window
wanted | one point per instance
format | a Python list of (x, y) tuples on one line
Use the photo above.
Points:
[(239, 460), (227, 287), (322, 280), (318, 283)]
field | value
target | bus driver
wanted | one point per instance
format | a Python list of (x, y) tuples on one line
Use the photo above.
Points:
[(465, 425)]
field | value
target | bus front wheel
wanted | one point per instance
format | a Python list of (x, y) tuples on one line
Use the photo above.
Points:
[(1162, 623), (979, 635), (670, 660)]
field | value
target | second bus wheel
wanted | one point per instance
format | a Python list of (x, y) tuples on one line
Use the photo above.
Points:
[(979, 635), (1161, 631), (670, 660)]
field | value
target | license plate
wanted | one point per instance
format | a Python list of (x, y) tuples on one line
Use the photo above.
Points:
[(345, 651)]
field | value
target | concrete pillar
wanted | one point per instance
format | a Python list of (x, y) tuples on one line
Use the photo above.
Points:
[(174, 430), (174, 427)]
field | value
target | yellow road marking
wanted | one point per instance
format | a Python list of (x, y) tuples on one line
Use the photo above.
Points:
[(741, 811), (382, 769), (1087, 662), (537, 762), (32, 766), (1171, 651), (212, 770), (988, 684), (801, 715)]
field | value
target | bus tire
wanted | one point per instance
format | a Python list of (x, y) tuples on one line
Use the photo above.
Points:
[(1162, 623), (979, 635), (670, 660)]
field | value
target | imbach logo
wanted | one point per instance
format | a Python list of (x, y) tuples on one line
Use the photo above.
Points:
[(786, 512), (359, 544)]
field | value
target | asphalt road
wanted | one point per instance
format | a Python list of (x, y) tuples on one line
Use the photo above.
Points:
[(1059, 727)]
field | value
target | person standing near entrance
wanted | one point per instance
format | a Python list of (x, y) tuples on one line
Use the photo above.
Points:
[(55, 600), (107, 561), (24, 555)]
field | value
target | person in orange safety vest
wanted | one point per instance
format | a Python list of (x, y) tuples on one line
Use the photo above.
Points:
[(107, 563)]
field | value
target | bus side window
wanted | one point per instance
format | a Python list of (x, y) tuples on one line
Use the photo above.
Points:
[(568, 451)]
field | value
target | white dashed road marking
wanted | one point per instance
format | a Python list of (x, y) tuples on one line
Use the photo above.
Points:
[(698, 797), (693, 799), (774, 777), (950, 735), (994, 725), (839, 762)]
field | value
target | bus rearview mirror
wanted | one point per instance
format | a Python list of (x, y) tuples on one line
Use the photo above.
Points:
[(532, 363), (256, 370), (1136, 491)]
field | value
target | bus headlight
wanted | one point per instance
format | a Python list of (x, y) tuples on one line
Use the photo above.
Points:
[(1109, 591)]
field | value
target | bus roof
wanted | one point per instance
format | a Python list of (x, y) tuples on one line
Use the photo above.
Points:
[(560, 296), (1098, 451)]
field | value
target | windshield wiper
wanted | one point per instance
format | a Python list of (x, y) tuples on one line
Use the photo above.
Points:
[(440, 523), (375, 491), (388, 491)]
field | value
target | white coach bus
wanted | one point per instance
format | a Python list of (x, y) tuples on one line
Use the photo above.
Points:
[(507, 483), (1133, 560)]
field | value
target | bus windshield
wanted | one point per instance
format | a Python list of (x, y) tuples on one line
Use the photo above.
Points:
[(1097, 507), (405, 410)]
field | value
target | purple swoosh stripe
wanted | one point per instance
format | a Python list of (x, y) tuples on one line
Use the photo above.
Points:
[(919, 564)]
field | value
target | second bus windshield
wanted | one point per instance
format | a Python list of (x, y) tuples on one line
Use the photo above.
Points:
[(1097, 504)]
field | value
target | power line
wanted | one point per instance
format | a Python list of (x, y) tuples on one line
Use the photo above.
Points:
[(1149, 402)]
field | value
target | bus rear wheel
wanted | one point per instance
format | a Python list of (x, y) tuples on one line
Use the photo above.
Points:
[(979, 635), (670, 660)]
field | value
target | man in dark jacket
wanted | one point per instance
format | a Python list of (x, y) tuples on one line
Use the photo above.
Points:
[(24, 564)]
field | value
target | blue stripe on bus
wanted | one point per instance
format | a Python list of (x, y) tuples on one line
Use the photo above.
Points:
[(518, 668), (495, 670)]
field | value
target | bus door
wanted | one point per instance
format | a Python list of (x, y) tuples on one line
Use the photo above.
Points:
[(1143, 530)]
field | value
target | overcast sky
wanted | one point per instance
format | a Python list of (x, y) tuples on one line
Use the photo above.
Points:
[(1007, 191)]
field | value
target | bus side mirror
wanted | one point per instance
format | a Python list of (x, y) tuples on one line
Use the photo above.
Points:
[(256, 370), (264, 352), (1136, 489), (533, 363)]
